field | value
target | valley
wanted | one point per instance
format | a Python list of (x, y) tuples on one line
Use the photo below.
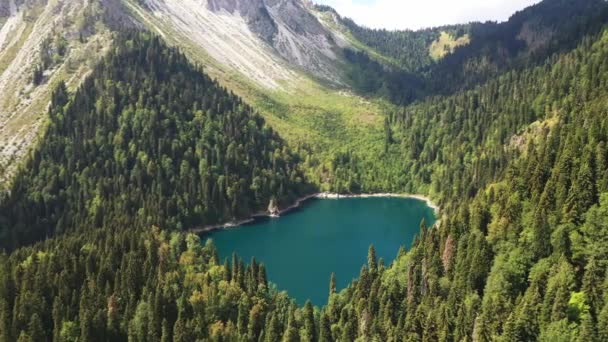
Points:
[(126, 124), (311, 110)]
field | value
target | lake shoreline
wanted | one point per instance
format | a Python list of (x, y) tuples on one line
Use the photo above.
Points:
[(427, 200), (301, 200)]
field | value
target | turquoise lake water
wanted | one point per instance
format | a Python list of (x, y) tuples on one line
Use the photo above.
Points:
[(302, 248)]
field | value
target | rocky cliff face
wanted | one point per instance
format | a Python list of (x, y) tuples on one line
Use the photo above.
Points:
[(291, 29), (303, 40), (255, 12), (267, 41)]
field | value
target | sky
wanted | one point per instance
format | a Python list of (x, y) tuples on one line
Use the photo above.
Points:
[(416, 14)]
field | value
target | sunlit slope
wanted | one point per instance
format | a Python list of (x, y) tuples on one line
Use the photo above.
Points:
[(313, 112), (63, 40)]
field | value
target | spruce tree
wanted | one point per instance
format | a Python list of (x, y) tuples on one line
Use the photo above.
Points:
[(332, 284), (372, 262)]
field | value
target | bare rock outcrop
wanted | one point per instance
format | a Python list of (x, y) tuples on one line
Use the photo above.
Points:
[(273, 208), (255, 13), (291, 29)]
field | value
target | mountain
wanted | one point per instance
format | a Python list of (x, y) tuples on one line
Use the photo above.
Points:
[(44, 36), (117, 152), (299, 64), (263, 40), (458, 57), (264, 51), (528, 38), (204, 112), (292, 29)]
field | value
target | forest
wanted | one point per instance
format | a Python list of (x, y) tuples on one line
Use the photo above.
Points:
[(93, 227), (147, 139), (526, 40)]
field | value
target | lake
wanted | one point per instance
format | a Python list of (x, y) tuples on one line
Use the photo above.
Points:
[(302, 248)]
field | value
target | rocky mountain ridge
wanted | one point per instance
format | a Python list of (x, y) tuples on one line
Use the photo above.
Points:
[(262, 39), (268, 44)]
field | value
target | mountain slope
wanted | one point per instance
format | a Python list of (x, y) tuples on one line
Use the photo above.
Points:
[(528, 38), (478, 52), (147, 139), (262, 40), (293, 74), (314, 114), (519, 168), (60, 35), (292, 60)]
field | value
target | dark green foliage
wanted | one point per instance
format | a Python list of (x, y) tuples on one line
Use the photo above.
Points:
[(518, 165), (410, 49), (141, 284), (371, 78), (148, 139), (521, 252), (527, 39)]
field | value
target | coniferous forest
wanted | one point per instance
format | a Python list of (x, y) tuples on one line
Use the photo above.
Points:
[(148, 138), (94, 228)]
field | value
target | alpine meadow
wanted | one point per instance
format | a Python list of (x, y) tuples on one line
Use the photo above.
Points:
[(466, 165)]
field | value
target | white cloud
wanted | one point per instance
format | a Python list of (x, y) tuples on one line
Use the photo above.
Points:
[(415, 14)]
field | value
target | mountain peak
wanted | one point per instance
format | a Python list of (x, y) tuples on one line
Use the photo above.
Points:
[(290, 28), (267, 41)]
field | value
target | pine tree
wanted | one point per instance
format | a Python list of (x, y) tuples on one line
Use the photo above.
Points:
[(165, 331), (261, 276), (592, 285), (4, 321), (309, 330), (37, 75), (271, 332), (602, 324), (291, 332), (243, 312), (332, 284), (36, 329), (388, 139), (324, 329), (180, 331), (588, 330), (256, 322), (372, 262)]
